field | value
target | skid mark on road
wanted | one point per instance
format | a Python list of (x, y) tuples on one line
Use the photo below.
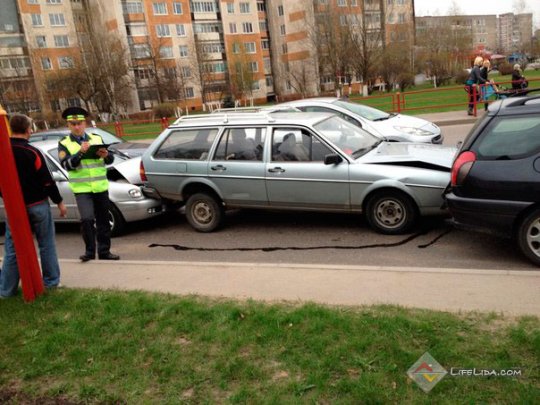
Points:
[(281, 248), (444, 233)]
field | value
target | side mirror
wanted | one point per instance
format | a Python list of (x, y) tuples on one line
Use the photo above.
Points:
[(57, 176), (332, 159)]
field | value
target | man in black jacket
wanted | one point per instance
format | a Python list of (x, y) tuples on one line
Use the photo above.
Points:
[(37, 187)]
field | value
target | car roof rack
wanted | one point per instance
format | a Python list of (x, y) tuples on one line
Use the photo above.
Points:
[(224, 116), (522, 99)]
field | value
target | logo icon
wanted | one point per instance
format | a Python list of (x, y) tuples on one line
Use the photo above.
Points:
[(426, 372)]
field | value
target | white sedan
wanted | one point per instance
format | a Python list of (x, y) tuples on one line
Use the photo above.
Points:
[(128, 203), (387, 126)]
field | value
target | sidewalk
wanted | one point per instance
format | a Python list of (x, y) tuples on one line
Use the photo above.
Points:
[(452, 117), (508, 292)]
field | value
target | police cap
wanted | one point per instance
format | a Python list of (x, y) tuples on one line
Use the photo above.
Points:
[(75, 114)]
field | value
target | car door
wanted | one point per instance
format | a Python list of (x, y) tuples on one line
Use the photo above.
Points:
[(296, 176), (346, 117), (237, 167)]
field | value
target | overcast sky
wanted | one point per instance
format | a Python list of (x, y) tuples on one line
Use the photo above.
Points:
[(431, 7)]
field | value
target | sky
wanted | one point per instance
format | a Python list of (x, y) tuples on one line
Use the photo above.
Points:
[(431, 7)]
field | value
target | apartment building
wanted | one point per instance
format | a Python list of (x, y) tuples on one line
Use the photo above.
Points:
[(188, 52), (504, 34), (514, 32)]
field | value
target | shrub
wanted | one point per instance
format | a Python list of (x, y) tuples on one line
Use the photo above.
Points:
[(505, 68), (462, 76), (164, 110), (405, 80)]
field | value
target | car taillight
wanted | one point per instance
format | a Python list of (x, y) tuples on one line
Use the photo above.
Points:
[(142, 172), (462, 166)]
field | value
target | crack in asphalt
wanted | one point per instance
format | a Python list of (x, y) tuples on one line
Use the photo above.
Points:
[(276, 248)]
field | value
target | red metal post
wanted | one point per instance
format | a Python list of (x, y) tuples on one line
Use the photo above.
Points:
[(475, 100), (19, 225), (118, 129), (164, 122), (398, 94)]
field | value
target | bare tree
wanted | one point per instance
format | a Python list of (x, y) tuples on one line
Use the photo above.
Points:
[(17, 89), (241, 73)]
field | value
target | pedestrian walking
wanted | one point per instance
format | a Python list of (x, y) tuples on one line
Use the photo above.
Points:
[(88, 181), (37, 187), (473, 82)]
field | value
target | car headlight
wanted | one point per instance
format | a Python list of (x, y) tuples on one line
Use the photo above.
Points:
[(135, 193), (414, 131)]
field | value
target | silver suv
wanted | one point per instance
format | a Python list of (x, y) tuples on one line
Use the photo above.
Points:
[(294, 161)]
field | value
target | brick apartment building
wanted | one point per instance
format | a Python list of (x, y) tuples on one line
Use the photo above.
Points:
[(187, 52)]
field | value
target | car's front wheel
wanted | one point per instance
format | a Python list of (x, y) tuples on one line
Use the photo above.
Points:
[(391, 212), (528, 237), (204, 212)]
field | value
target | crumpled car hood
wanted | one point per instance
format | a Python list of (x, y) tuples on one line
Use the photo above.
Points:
[(409, 154), (126, 170)]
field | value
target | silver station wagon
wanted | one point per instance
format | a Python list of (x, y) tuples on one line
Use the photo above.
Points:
[(294, 161)]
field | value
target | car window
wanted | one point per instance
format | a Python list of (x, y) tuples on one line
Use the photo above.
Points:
[(105, 135), (297, 145), (316, 108), (189, 144), (509, 137), (369, 113), (241, 144)]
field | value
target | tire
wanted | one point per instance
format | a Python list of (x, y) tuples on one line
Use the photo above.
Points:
[(391, 212), (528, 237), (117, 221), (204, 212)]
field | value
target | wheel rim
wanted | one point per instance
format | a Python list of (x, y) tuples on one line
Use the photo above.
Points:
[(202, 212), (111, 220), (390, 213), (533, 237)]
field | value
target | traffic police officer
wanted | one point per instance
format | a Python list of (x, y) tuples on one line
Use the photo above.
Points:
[(88, 181)]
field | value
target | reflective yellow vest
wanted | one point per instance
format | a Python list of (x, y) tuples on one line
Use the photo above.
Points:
[(91, 175)]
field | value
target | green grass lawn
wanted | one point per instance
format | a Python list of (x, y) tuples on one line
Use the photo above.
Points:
[(133, 347)]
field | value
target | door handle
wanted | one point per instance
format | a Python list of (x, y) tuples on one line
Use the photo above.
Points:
[(218, 167), (276, 170)]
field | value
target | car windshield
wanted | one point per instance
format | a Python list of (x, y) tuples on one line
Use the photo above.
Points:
[(352, 140), (105, 135), (364, 111)]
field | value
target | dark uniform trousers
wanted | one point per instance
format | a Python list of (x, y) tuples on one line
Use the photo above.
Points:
[(95, 206)]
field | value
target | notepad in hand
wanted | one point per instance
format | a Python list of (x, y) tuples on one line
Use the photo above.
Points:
[(91, 153)]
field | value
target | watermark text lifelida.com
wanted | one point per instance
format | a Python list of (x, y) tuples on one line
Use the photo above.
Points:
[(483, 372)]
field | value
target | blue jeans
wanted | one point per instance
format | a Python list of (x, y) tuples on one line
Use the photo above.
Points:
[(42, 225)]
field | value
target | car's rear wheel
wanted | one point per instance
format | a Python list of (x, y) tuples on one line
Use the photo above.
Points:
[(391, 212), (528, 237), (204, 212), (117, 221)]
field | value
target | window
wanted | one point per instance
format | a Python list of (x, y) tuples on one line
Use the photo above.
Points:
[(269, 81), (253, 66), (215, 67), (244, 8), (280, 10), (36, 20), (32, 1), (163, 30), (401, 18), (186, 72), (136, 30), (342, 3), (297, 145), (46, 64), (189, 144), (255, 85), (61, 41), (247, 27), (183, 51), (232, 28), (166, 52), (261, 7), (230, 8), (207, 27), (140, 51), (265, 44), (41, 41), (73, 102), (204, 7), (267, 64), (250, 47), (343, 20), (54, 1), (55, 105), (284, 49), (180, 30), (241, 144), (177, 7), (354, 3), (236, 47), (159, 8), (57, 19), (65, 62), (213, 47), (132, 7), (142, 74), (282, 30), (263, 26)]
